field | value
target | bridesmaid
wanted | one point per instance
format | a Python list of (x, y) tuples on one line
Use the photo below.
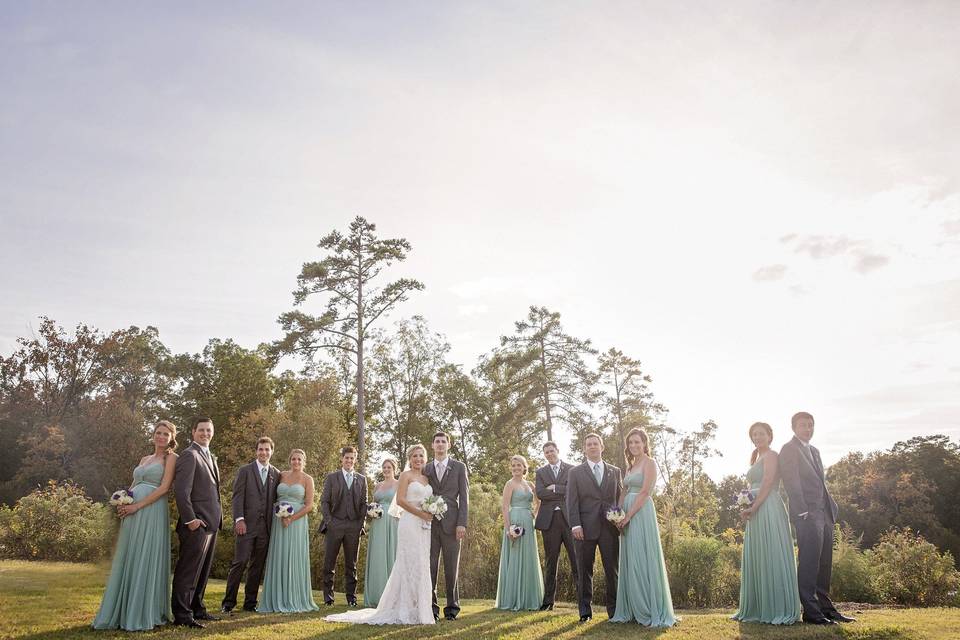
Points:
[(286, 582), (768, 575), (643, 593), (137, 596), (520, 585), (382, 539)]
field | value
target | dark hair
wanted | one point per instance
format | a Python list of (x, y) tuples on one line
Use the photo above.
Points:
[(441, 433), (765, 427), (593, 434), (266, 440), (549, 443), (348, 449), (797, 416), (198, 420), (626, 447)]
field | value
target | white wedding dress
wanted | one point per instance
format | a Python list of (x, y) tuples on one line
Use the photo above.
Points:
[(407, 597)]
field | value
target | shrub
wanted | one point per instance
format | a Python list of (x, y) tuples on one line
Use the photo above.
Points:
[(852, 578), (703, 572), (57, 522), (909, 570)]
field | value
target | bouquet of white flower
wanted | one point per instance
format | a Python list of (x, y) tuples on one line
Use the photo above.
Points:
[(745, 499), (616, 515), (283, 510), (374, 511), (121, 496), (435, 506), (517, 530)]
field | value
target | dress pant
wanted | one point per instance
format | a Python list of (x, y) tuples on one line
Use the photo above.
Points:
[(349, 539), (193, 568), (250, 554), (557, 536), (609, 544), (815, 563), (448, 544)]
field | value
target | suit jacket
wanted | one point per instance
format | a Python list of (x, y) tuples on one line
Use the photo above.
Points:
[(335, 498), (550, 499), (253, 501), (804, 480), (196, 486), (587, 503), (454, 489)]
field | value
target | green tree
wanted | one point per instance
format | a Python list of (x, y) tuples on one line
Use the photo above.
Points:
[(628, 400), (346, 278)]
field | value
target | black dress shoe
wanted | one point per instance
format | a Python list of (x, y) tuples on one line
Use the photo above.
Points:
[(226, 610), (818, 621), (352, 603), (329, 603), (836, 616), (450, 617), (189, 623), (248, 607), (585, 618), (546, 607), (206, 616)]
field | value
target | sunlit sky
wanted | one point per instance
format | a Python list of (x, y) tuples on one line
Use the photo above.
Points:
[(760, 201)]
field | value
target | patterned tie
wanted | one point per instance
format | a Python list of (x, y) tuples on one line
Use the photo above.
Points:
[(263, 475), (349, 479), (556, 474), (597, 475)]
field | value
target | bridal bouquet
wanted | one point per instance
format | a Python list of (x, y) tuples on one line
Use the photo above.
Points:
[(517, 530), (745, 498), (435, 506), (283, 510), (616, 515), (374, 511), (121, 496)]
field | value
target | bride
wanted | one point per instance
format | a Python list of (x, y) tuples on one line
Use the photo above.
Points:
[(407, 596)]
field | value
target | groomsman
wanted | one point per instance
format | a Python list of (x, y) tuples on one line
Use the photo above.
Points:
[(592, 488), (343, 504), (552, 520), (254, 492), (448, 477), (813, 512), (196, 485)]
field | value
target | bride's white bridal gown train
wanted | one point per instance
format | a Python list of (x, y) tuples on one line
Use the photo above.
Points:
[(407, 596)]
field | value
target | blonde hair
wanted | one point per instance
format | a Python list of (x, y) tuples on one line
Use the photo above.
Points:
[(523, 461), (172, 428), (414, 447), (302, 453)]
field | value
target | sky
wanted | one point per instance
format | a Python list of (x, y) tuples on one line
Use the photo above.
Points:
[(758, 200)]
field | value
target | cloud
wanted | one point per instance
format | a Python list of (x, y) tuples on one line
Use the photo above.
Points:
[(770, 273), (472, 309), (820, 247)]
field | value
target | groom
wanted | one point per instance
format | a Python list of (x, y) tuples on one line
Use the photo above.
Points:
[(813, 512), (448, 477), (592, 488), (197, 489)]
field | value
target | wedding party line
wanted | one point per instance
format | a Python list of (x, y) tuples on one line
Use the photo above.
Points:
[(415, 518)]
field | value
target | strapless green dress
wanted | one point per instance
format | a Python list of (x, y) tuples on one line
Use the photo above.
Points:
[(137, 596), (520, 585), (381, 550), (286, 580)]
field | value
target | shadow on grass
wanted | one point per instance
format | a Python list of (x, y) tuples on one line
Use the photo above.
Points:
[(759, 631)]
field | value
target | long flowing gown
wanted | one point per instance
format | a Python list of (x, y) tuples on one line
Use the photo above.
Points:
[(643, 593), (768, 571), (381, 549), (408, 595), (520, 585), (137, 596), (286, 579)]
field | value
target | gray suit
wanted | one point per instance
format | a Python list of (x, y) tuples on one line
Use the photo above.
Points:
[(587, 504), (554, 524), (455, 490), (802, 471), (253, 501), (197, 489), (344, 509)]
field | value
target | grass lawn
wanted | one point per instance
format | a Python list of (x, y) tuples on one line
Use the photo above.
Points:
[(59, 600)]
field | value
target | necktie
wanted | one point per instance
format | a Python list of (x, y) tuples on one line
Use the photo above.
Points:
[(263, 475), (440, 471), (349, 479), (596, 474), (556, 474)]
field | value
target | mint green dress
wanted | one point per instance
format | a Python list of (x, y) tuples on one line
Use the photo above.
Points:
[(520, 586), (286, 579), (137, 596), (768, 571), (643, 592), (381, 549)]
